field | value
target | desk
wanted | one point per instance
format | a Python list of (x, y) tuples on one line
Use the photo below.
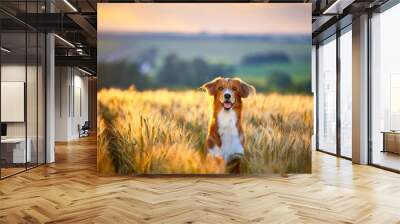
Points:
[(13, 150), (391, 141)]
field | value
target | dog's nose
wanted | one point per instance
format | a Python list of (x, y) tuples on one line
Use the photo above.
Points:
[(227, 96)]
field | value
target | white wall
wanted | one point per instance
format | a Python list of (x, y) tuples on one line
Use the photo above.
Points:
[(71, 94), (62, 82), (80, 103)]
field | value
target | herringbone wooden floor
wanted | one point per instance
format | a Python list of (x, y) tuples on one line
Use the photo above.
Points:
[(70, 191)]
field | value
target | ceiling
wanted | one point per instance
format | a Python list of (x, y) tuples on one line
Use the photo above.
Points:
[(73, 21), (332, 15)]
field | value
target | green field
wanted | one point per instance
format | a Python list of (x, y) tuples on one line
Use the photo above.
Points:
[(216, 51), (229, 52)]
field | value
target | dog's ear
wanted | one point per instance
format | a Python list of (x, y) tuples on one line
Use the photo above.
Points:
[(246, 89), (210, 86)]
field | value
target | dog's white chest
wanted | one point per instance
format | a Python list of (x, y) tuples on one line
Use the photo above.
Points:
[(229, 134), (227, 123)]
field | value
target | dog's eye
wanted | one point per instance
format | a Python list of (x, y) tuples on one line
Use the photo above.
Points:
[(234, 88), (220, 88)]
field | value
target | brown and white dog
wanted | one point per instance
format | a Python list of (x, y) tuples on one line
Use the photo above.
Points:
[(225, 133)]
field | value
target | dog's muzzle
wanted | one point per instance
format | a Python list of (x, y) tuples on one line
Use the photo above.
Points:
[(227, 105)]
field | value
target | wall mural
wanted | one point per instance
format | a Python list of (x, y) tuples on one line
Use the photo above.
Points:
[(204, 88)]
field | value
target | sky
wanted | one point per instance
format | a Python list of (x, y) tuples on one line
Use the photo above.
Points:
[(213, 18)]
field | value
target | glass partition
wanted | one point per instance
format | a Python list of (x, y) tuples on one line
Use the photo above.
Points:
[(385, 89), (346, 93), (13, 94), (31, 97), (327, 96), (22, 78)]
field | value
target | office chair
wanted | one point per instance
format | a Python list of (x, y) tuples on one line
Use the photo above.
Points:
[(84, 130)]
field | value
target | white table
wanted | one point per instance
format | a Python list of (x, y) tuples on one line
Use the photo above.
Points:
[(18, 145)]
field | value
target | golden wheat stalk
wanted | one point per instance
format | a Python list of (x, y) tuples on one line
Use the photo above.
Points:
[(163, 132)]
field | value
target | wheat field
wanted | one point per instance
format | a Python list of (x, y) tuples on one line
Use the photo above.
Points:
[(164, 132)]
